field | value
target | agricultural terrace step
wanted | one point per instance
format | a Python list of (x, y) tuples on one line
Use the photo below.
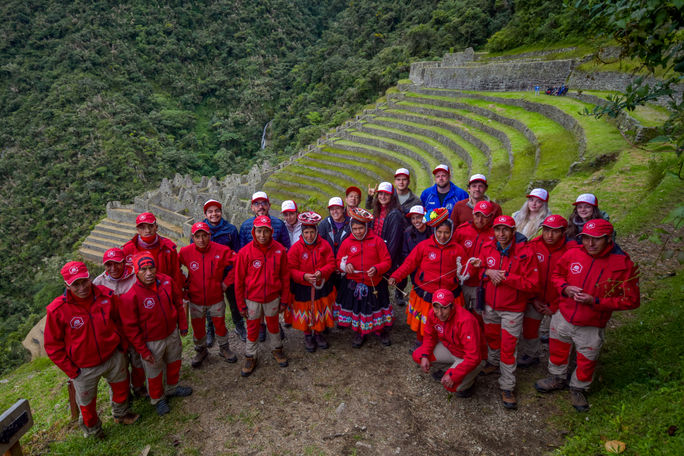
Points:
[(423, 176), (322, 163), (303, 176), (93, 256), (114, 227), (338, 174), (367, 161), (304, 190), (547, 110), (466, 151), (281, 194), (166, 228), (169, 216), (116, 239)]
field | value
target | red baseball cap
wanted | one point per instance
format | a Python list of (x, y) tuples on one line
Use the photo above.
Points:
[(588, 198), (212, 202), (505, 220), (484, 207), (145, 217), (74, 270), (353, 189), (441, 167), (263, 221), (597, 228), (143, 259), (443, 297), (115, 254), (200, 226), (555, 222)]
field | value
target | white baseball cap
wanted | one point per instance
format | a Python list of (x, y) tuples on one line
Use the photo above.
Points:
[(260, 196), (539, 193), (335, 201), (416, 210), (403, 171), (477, 177), (386, 187), (288, 206), (441, 167), (587, 198)]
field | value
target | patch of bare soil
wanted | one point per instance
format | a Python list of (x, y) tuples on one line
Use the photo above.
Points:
[(368, 401)]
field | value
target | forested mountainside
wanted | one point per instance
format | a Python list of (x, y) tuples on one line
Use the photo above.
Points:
[(101, 100)]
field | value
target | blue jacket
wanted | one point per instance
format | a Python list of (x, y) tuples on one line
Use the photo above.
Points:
[(225, 234), (430, 198), (279, 232)]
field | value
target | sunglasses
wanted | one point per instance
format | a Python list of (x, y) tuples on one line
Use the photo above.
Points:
[(439, 307)]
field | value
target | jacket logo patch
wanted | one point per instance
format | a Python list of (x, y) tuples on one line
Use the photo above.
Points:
[(468, 243), (576, 268), (540, 257), (194, 265), (166, 282), (105, 301), (491, 262), (257, 263), (432, 256), (277, 252), (76, 322), (354, 249), (305, 256), (216, 257), (439, 328), (148, 303)]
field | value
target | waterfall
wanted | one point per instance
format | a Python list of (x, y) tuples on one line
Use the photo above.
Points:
[(263, 134)]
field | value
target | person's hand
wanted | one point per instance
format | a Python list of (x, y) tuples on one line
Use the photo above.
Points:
[(318, 275), (243, 313), (282, 307), (350, 268), (311, 278), (425, 364), (583, 298), (392, 281), (372, 271), (496, 275), (476, 263), (570, 291), (371, 190), (446, 381), (149, 358), (541, 307)]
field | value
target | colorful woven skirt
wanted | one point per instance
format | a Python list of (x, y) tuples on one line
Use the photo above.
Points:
[(361, 309)]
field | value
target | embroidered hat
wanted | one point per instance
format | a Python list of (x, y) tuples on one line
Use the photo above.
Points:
[(361, 215), (200, 226), (74, 270), (143, 259), (587, 198), (505, 220), (211, 202), (555, 222), (114, 254), (437, 216), (597, 228), (484, 207), (540, 193), (309, 218), (145, 217), (443, 297), (385, 187), (288, 206)]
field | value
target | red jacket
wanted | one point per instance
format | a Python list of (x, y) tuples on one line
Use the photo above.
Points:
[(436, 266), (522, 276), (462, 213), (307, 259), (166, 258), (472, 241), (151, 313), (364, 254), (78, 335), (611, 278), (461, 335), (547, 257), (261, 274), (205, 272)]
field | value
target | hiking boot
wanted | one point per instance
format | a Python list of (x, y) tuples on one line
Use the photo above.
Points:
[(527, 361), (240, 330), (180, 391), (227, 353), (139, 392), (357, 341), (508, 399), (128, 418), (321, 342), (309, 343), (250, 365), (200, 356), (162, 407), (489, 368), (262, 332), (551, 383), (279, 356), (466, 392), (438, 374), (211, 334), (579, 400), (385, 337)]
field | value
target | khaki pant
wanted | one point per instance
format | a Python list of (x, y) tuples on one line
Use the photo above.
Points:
[(530, 344), (269, 310), (167, 356), (444, 356), (588, 341), (502, 331), (214, 311)]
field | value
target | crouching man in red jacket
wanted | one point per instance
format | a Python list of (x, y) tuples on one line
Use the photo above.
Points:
[(593, 281), (452, 336), (82, 338), (152, 314), (262, 287)]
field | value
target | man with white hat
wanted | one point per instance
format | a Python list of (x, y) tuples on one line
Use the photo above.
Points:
[(444, 193), (335, 229), (463, 210), (290, 212), (402, 180), (260, 207)]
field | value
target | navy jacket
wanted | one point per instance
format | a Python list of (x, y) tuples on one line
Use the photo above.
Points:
[(279, 232)]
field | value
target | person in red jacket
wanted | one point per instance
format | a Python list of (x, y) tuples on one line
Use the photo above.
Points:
[(262, 284), (163, 249), (593, 281), (82, 338), (452, 336), (511, 277), (153, 321), (439, 263), (119, 277), (364, 304), (312, 263), (463, 210), (206, 262), (548, 247), (473, 235)]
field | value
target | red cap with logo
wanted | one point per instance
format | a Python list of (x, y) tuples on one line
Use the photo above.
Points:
[(145, 217), (200, 226), (263, 221), (597, 228), (115, 254), (484, 207), (143, 259), (74, 270), (211, 202), (555, 222), (505, 220), (353, 189), (443, 297)]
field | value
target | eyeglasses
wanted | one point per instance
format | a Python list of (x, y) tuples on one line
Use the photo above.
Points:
[(260, 203), (439, 307)]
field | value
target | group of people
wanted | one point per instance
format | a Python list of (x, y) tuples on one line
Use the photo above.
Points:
[(481, 285)]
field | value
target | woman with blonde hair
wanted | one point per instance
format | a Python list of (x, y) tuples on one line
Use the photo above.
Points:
[(529, 218)]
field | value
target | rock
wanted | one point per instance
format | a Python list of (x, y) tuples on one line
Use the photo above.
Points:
[(363, 445), (35, 339), (340, 408)]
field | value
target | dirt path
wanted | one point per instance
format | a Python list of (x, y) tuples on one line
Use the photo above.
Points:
[(368, 401)]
